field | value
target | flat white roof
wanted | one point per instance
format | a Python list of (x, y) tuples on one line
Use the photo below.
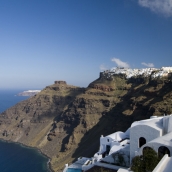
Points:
[(156, 123), (117, 136), (116, 148), (165, 140)]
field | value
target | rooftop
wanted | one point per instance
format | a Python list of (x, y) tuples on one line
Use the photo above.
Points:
[(165, 140), (154, 122)]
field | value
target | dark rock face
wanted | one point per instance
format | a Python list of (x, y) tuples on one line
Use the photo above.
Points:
[(101, 87), (65, 121)]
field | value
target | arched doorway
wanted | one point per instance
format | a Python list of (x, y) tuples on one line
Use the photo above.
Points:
[(162, 150), (142, 141)]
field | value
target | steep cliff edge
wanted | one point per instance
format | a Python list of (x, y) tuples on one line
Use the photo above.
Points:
[(65, 121)]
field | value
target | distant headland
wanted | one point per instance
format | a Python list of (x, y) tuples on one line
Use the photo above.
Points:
[(28, 93)]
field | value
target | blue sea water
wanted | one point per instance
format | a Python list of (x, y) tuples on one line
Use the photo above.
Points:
[(15, 157), (8, 98)]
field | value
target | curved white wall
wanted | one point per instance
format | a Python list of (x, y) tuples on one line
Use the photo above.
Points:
[(149, 133)]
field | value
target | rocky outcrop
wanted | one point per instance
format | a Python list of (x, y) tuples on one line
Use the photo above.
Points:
[(60, 82), (101, 87)]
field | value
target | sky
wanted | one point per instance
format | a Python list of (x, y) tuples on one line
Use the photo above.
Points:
[(74, 40)]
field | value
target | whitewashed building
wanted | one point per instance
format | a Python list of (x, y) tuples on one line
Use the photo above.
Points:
[(154, 133)]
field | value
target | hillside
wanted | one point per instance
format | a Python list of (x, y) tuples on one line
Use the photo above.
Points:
[(66, 122)]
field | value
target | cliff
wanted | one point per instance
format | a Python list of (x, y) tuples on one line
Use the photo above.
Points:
[(65, 122)]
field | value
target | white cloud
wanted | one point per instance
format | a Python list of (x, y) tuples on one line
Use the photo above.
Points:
[(103, 67), (158, 6), (120, 63), (148, 64)]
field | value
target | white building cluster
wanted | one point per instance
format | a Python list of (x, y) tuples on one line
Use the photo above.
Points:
[(154, 133), (146, 72)]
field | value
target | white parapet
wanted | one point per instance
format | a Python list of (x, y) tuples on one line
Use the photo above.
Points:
[(160, 165)]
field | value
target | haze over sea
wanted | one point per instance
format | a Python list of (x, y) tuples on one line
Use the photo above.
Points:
[(15, 157)]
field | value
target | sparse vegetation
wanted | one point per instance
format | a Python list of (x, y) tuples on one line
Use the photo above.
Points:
[(145, 163), (121, 159)]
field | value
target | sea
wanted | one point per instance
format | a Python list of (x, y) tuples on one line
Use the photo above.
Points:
[(16, 157)]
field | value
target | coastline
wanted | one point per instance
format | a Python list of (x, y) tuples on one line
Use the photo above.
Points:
[(35, 148), (11, 95)]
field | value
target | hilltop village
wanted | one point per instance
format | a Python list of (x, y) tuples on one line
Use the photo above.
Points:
[(145, 72)]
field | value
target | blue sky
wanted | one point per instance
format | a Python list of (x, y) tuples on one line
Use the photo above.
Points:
[(73, 40)]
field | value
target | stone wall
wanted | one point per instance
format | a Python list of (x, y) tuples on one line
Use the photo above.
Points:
[(60, 82), (147, 132)]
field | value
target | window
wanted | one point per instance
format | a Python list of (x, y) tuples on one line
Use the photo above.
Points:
[(108, 140), (142, 141)]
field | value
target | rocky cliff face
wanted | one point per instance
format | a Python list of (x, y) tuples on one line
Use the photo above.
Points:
[(65, 121)]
